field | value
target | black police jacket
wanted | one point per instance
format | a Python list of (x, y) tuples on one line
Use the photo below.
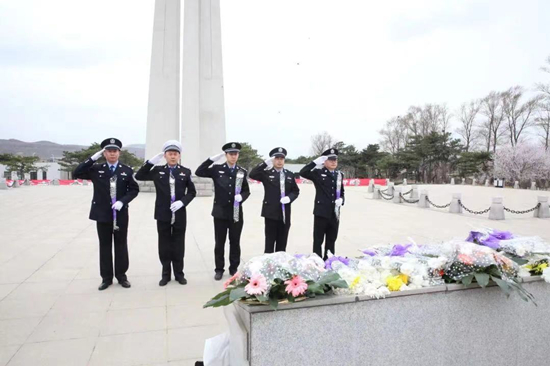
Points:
[(224, 188), (272, 208), (184, 188), (126, 189), (325, 189)]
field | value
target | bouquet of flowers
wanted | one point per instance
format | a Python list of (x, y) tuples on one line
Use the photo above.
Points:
[(278, 277), (471, 261)]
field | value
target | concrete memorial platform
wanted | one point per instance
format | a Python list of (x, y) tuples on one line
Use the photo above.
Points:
[(442, 325)]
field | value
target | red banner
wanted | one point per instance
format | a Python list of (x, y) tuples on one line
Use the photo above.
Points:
[(47, 182)]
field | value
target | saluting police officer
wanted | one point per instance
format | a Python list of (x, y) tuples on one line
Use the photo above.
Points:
[(230, 191), (280, 190), (175, 191), (329, 197), (114, 188)]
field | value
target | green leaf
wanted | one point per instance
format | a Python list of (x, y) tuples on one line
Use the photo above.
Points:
[(273, 303), (237, 293), (222, 301), (518, 260), (329, 277), (504, 285), (468, 280), (482, 278), (262, 298), (316, 289), (339, 284), (291, 299)]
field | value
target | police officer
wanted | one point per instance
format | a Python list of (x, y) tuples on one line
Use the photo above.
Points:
[(329, 197), (276, 201), (114, 188), (175, 191), (230, 191)]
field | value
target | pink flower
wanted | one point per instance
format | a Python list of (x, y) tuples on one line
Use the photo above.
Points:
[(229, 281), (256, 286), (296, 286)]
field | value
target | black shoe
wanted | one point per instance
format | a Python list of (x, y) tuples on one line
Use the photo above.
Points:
[(232, 273), (104, 285), (164, 281), (125, 284), (182, 281), (218, 276)]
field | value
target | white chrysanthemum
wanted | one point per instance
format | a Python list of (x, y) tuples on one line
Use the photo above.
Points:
[(523, 272), (546, 274), (407, 268)]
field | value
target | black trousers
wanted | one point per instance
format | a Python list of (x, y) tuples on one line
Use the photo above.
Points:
[(276, 235), (172, 247), (325, 230), (221, 228), (106, 236)]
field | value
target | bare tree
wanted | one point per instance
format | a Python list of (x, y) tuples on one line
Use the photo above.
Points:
[(519, 117), (467, 116), (321, 142), (543, 123), (492, 129), (542, 87), (394, 134)]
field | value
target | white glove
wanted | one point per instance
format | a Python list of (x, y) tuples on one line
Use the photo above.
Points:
[(156, 159), (217, 157), (339, 202), (238, 198), (269, 163), (117, 205), (176, 206), (320, 160), (97, 155), (285, 200)]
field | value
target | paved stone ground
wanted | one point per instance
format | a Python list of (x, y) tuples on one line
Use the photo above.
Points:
[(52, 314)]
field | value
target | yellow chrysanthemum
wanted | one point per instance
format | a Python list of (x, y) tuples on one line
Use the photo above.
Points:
[(394, 283), (404, 278), (355, 282)]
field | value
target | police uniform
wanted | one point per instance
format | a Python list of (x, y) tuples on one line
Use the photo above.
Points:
[(276, 229), (101, 211), (171, 236), (224, 178), (325, 226)]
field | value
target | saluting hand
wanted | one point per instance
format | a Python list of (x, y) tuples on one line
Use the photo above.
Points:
[(217, 157), (269, 162), (97, 155), (320, 160), (156, 159)]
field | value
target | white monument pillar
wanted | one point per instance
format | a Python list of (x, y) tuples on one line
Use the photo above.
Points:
[(163, 112), (202, 103)]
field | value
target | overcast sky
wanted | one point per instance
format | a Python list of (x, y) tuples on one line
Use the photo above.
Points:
[(78, 71)]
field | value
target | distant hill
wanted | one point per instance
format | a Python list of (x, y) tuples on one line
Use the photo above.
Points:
[(46, 149)]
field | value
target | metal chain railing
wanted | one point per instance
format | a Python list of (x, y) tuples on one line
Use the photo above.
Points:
[(409, 192), (437, 206), (406, 200), (387, 197), (473, 211), (522, 212)]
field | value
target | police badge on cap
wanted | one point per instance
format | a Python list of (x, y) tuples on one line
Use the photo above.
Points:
[(332, 154), (278, 152), (232, 147), (111, 143)]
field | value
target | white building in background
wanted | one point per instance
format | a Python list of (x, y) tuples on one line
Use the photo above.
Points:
[(49, 171)]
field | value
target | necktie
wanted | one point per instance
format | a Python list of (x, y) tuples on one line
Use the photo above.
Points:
[(112, 170)]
